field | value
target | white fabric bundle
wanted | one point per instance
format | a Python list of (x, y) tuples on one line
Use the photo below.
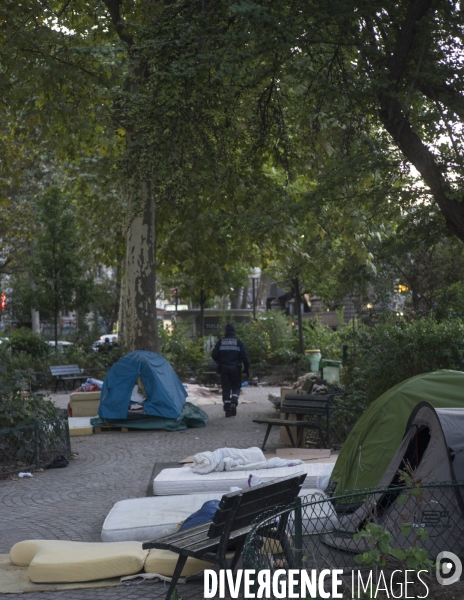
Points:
[(235, 459)]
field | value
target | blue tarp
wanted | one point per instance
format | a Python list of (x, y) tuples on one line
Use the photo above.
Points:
[(191, 416), (165, 392)]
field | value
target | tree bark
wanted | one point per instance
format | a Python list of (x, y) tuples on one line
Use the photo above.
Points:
[(245, 303), (35, 318), (138, 315), (394, 116), (236, 299), (296, 288), (398, 126), (139, 323), (202, 313)]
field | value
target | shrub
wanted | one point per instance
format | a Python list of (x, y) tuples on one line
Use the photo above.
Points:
[(18, 407), (184, 354), (268, 338), (24, 341), (328, 341), (384, 355)]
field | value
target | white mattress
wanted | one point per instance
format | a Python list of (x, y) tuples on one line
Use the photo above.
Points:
[(145, 519), (318, 517), (78, 422), (184, 481)]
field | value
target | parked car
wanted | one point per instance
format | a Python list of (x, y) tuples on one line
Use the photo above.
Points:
[(96, 345), (62, 345), (110, 336)]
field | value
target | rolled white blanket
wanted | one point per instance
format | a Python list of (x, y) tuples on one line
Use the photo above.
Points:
[(235, 459)]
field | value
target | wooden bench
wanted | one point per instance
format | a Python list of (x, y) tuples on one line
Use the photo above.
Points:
[(230, 525), (65, 373), (316, 405)]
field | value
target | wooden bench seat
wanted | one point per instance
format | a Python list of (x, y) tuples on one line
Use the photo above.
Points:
[(230, 525)]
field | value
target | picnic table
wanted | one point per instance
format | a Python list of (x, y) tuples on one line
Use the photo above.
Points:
[(302, 406)]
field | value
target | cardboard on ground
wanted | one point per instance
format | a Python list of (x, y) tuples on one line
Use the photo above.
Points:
[(302, 453), (187, 460)]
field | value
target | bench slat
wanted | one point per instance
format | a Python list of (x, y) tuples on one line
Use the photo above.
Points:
[(66, 373), (315, 397), (248, 504), (59, 370), (207, 545), (282, 422)]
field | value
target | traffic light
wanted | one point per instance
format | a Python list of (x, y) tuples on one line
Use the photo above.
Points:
[(3, 302)]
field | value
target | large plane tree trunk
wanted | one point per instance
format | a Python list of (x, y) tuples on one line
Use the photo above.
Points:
[(139, 323), (138, 318)]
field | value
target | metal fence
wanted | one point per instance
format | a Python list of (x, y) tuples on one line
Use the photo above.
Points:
[(34, 446), (392, 528)]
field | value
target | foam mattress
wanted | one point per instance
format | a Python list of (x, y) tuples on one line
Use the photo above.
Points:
[(145, 519), (184, 481), (79, 426)]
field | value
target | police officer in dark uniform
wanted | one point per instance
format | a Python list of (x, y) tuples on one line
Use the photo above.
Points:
[(229, 353)]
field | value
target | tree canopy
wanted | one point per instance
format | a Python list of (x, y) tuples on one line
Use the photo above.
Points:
[(292, 118)]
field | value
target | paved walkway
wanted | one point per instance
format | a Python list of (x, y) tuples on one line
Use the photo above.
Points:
[(72, 503)]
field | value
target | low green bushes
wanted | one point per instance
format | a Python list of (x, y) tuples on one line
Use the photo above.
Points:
[(18, 406), (23, 341), (273, 339), (392, 351), (185, 354)]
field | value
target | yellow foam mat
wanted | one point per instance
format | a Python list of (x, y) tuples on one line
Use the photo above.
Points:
[(15, 580), (76, 431), (164, 562), (66, 561)]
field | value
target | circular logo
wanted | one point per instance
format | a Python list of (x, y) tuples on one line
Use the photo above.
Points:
[(448, 568)]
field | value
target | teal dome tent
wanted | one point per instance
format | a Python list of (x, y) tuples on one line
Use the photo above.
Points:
[(165, 392)]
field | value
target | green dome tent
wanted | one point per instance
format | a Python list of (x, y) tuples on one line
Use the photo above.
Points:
[(376, 436)]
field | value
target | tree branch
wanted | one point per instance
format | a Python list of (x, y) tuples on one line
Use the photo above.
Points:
[(399, 127), (399, 59), (114, 8)]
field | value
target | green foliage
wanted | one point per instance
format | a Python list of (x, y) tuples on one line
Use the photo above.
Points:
[(19, 298), (185, 354), (328, 341), (24, 341), (395, 350), (415, 558), (59, 268), (16, 410), (86, 358), (19, 407), (22, 362), (379, 540), (106, 301), (33, 368), (268, 338), (268, 112)]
